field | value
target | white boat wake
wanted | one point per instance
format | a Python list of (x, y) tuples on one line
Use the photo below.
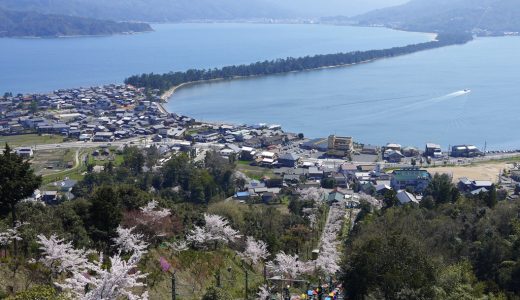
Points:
[(436, 100)]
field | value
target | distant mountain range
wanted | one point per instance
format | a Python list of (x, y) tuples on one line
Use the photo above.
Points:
[(321, 8), (152, 10), (32, 24), (484, 17)]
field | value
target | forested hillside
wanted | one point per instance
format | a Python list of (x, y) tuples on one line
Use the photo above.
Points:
[(151, 10), (30, 24), (449, 247), (133, 227), (483, 16)]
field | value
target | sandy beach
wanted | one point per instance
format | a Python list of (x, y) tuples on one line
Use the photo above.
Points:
[(169, 93)]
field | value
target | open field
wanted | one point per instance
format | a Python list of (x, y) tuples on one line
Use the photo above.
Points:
[(254, 172), (30, 140), (46, 162), (478, 171), (59, 164)]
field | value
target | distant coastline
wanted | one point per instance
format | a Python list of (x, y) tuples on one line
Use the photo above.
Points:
[(34, 37), (28, 24)]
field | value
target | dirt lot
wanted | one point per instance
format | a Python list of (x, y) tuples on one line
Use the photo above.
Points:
[(481, 171), (52, 161)]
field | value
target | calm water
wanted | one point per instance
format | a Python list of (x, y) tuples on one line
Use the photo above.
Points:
[(41, 65), (411, 99)]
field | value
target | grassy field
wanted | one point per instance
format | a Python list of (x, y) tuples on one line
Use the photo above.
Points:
[(254, 172), (54, 165), (197, 270), (30, 140)]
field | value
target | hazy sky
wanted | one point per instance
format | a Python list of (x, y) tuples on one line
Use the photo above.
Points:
[(335, 7)]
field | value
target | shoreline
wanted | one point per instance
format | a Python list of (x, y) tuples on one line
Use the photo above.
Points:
[(168, 94)]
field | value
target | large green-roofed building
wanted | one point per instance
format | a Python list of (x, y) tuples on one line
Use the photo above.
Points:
[(413, 179)]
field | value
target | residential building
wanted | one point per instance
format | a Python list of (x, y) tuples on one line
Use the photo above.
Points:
[(315, 174), (370, 149), (103, 136), (393, 146), (413, 179), (335, 196), (410, 151), (393, 156), (464, 151), (405, 197), (340, 146), (289, 160), (433, 150)]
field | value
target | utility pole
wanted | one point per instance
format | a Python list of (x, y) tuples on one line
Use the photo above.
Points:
[(247, 288), (265, 274), (174, 290), (218, 279)]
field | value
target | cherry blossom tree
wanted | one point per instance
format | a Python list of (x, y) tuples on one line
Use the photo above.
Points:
[(178, 246), (215, 230), (315, 194), (152, 214), (60, 256), (255, 251), (92, 280), (264, 293), (329, 258), (312, 194), (285, 265), (10, 235), (98, 282), (128, 242)]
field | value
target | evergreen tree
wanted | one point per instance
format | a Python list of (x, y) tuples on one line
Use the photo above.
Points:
[(17, 181), (491, 199), (105, 214)]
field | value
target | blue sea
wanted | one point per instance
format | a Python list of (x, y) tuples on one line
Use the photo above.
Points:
[(410, 100), (41, 65)]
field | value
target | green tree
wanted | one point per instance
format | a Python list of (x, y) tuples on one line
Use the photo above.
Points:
[(386, 266), (39, 292), (442, 189), (152, 156), (134, 159), (17, 182), (33, 107), (328, 183), (491, 199), (390, 199), (458, 282), (72, 224), (105, 214)]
